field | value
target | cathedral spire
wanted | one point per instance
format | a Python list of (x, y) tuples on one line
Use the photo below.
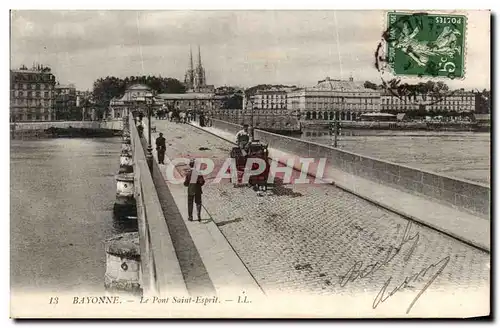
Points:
[(199, 56), (191, 59)]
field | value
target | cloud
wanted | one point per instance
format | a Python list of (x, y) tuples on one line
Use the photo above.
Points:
[(238, 47)]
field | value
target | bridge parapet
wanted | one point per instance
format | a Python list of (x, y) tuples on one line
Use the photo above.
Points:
[(160, 269), (463, 195)]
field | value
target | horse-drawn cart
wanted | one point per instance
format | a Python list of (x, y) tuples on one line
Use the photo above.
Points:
[(254, 149)]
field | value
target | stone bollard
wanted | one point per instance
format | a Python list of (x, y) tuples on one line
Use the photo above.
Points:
[(126, 161), (125, 205), (123, 264), (126, 139), (126, 147), (126, 157)]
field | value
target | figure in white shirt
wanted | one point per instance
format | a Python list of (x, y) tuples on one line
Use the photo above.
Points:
[(243, 139)]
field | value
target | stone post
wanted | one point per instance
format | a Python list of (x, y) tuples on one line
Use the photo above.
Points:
[(123, 264), (125, 205), (126, 161)]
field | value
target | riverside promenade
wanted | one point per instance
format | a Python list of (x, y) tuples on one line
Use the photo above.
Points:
[(322, 239)]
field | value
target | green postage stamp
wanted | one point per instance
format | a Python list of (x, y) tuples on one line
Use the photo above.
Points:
[(424, 44)]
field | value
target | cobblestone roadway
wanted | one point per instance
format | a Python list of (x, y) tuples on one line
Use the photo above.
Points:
[(304, 238)]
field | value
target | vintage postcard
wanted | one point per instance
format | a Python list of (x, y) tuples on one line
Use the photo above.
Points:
[(250, 164)]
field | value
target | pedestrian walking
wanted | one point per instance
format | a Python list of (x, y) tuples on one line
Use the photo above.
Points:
[(140, 129), (202, 119), (194, 181), (160, 148)]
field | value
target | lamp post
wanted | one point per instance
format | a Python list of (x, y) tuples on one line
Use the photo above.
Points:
[(251, 118), (149, 156), (298, 114), (335, 129)]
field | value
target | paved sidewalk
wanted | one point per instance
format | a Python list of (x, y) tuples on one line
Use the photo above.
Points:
[(464, 226), (228, 274)]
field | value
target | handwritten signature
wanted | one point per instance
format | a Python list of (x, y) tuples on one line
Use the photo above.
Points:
[(358, 270), (382, 297)]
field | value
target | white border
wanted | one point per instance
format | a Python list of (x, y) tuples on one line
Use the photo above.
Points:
[(185, 4)]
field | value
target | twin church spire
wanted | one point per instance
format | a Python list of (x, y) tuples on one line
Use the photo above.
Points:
[(195, 79)]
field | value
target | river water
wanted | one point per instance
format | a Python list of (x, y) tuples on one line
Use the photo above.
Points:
[(465, 155), (61, 210)]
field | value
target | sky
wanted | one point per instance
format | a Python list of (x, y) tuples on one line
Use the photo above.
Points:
[(238, 48)]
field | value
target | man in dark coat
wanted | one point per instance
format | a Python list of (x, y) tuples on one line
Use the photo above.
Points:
[(161, 148), (202, 119), (194, 190)]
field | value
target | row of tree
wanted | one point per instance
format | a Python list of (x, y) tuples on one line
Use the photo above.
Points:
[(252, 90), (483, 102), (111, 87), (230, 97)]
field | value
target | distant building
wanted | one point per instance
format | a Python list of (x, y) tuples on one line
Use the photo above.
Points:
[(273, 120), (199, 95), (32, 94), (133, 100), (345, 100), (459, 101), (198, 101), (275, 98), (65, 102), (195, 79)]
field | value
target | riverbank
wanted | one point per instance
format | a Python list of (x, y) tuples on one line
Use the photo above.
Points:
[(64, 133), (403, 126)]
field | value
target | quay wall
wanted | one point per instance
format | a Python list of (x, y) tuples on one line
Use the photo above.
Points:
[(111, 125), (457, 193), (428, 126)]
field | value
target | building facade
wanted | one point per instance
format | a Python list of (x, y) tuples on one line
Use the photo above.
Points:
[(273, 120), (330, 99), (65, 102), (133, 100), (32, 94), (267, 99), (459, 101), (197, 101)]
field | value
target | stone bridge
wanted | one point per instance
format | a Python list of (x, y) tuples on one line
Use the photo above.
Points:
[(333, 246)]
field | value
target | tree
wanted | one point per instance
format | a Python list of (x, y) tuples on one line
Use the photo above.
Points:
[(253, 90), (111, 87), (483, 102), (370, 85), (234, 101)]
